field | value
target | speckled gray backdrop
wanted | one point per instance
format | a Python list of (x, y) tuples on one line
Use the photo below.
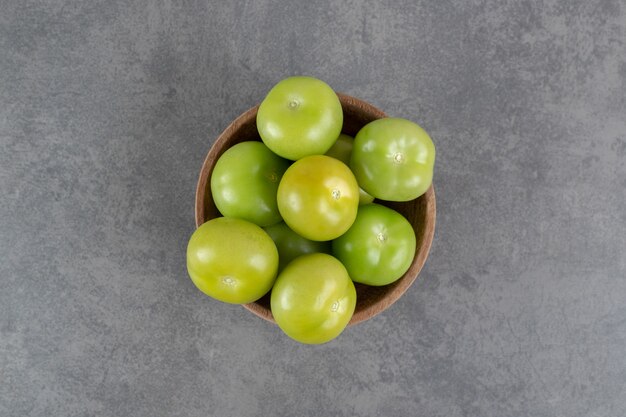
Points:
[(109, 107)]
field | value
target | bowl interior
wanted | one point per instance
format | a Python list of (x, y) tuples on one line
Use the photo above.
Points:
[(420, 212)]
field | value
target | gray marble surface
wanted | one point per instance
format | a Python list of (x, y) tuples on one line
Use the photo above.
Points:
[(107, 109)]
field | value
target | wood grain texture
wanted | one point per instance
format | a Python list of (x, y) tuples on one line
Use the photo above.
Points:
[(421, 212)]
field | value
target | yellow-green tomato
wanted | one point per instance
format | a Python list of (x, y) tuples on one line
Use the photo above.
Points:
[(393, 159), (290, 245), (313, 299), (300, 116), (232, 260), (379, 247), (342, 149), (245, 180), (318, 197)]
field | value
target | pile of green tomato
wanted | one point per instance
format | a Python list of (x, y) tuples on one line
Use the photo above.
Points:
[(299, 217)]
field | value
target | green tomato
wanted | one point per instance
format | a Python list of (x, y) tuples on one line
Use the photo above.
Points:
[(313, 299), (290, 245), (379, 247), (244, 183), (232, 260), (393, 159), (318, 197), (342, 149), (300, 116)]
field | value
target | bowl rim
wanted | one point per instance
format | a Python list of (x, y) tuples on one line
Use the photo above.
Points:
[(399, 287)]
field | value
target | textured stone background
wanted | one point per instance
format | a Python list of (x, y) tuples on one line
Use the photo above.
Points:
[(108, 108)]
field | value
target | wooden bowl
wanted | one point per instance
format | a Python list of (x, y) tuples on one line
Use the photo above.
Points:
[(420, 212)]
